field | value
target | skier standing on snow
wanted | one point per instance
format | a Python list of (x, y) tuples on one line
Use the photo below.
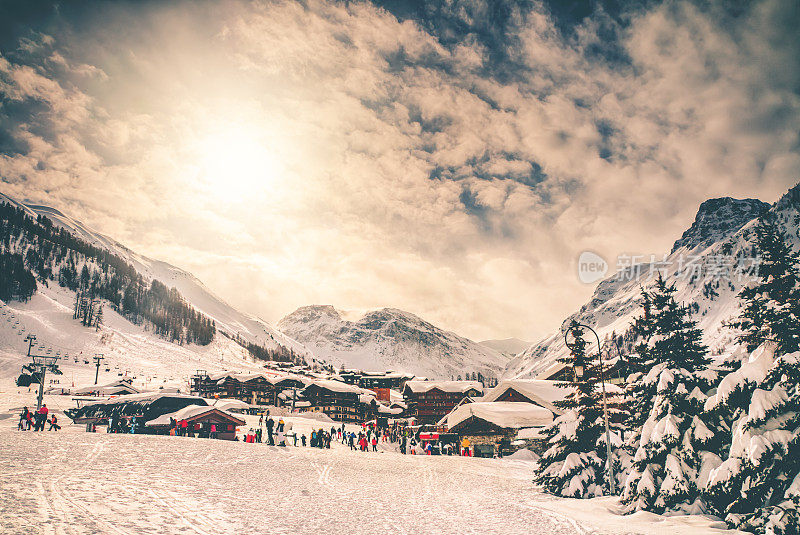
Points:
[(270, 425), (54, 423), (24, 419), (41, 418)]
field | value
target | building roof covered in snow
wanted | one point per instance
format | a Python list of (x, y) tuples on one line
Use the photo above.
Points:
[(116, 388), (226, 404), (540, 392), (459, 387), (503, 414), (338, 386), (148, 405), (270, 377), (192, 412)]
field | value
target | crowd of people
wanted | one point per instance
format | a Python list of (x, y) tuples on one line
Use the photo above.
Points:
[(36, 421), (277, 433), (367, 439)]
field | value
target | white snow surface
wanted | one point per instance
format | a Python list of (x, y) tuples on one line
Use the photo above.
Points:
[(77, 482), (129, 350)]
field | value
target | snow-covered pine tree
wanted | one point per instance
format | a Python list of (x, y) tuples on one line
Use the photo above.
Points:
[(757, 488), (574, 465), (675, 446), (770, 307), (641, 361), (761, 477)]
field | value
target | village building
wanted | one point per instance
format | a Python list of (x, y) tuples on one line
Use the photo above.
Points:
[(144, 407), (255, 389), (429, 401), (546, 393), (199, 419), (539, 392), (615, 371), (340, 401), (491, 427)]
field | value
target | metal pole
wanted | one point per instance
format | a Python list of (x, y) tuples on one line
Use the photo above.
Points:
[(31, 339), (42, 371), (97, 358), (610, 466)]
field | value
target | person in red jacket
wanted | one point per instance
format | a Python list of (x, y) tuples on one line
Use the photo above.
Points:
[(41, 418), (54, 423), (374, 443)]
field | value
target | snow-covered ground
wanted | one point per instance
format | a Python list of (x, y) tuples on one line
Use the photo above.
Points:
[(77, 482)]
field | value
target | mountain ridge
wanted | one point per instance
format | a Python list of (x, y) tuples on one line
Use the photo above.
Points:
[(389, 338), (722, 229)]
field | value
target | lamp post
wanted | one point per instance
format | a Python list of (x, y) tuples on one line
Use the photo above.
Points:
[(579, 371)]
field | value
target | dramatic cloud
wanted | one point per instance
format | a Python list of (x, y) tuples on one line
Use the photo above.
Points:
[(453, 161)]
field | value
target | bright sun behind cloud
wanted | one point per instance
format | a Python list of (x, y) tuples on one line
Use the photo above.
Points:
[(236, 162)]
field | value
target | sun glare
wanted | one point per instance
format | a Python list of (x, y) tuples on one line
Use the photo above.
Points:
[(237, 164)]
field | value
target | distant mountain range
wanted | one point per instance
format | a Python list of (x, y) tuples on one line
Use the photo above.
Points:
[(390, 339), (394, 339)]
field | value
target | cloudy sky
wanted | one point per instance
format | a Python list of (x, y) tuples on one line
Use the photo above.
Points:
[(450, 158)]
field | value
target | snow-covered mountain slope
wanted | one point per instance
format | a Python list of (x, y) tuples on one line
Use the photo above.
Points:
[(705, 263), (228, 320), (389, 339), (507, 346), (128, 349)]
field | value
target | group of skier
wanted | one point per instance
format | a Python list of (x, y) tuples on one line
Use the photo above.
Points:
[(36, 421)]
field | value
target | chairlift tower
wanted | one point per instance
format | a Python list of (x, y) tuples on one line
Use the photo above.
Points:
[(98, 358), (39, 366)]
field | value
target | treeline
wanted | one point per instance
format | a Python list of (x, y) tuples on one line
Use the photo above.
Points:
[(16, 281), (33, 249), (259, 352)]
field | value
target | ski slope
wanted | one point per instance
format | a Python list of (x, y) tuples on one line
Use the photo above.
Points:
[(76, 482), (128, 349), (228, 319)]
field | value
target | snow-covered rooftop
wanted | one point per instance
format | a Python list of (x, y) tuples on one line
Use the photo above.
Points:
[(543, 393), (338, 386), (190, 411), (445, 386), (230, 404), (504, 414)]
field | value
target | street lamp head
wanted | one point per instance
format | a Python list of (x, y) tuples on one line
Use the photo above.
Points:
[(578, 369)]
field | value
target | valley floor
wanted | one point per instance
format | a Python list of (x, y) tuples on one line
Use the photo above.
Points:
[(76, 482)]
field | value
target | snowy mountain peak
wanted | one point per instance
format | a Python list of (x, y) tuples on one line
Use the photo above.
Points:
[(721, 229), (717, 218), (389, 338)]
